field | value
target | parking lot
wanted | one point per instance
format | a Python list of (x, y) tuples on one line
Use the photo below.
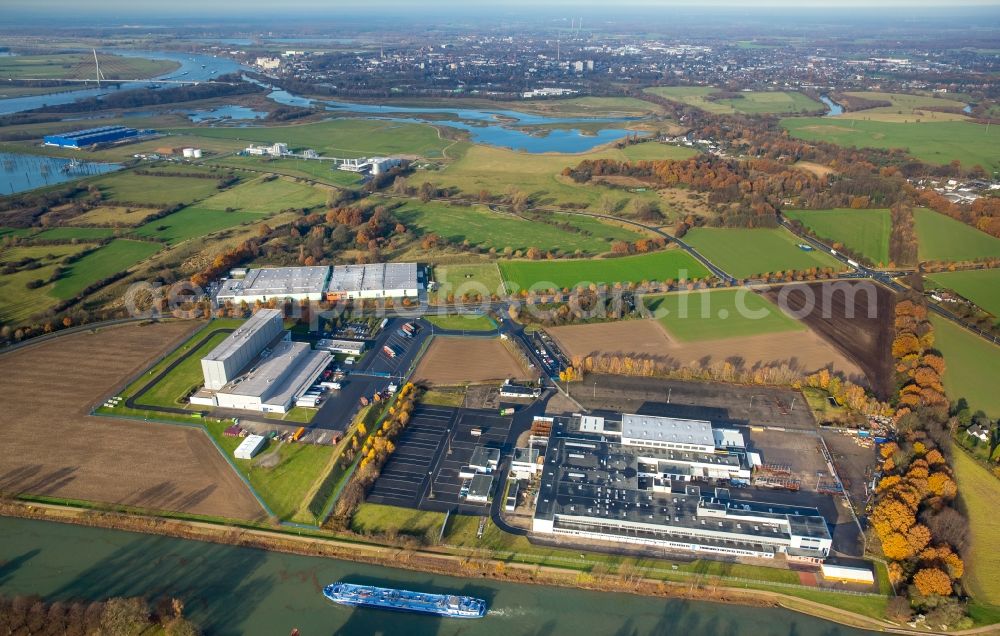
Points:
[(435, 445), (403, 480)]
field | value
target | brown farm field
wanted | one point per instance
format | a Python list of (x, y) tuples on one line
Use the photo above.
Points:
[(457, 360), (804, 351), (54, 448), (865, 337)]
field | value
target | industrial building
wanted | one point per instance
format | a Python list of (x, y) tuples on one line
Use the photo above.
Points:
[(277, 283), (274, 150), (603, 490), (348, 347), (377, 280), (233, 354), (374, 165), (667, 432), (250, 446), (273, 385), (479, 489), (95, 136)]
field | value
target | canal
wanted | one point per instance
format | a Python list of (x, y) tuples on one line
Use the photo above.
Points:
[(230, 590)]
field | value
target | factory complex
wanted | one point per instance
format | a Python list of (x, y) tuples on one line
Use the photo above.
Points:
[(90, 137), (316, 283), (258, 368), (628, 481)]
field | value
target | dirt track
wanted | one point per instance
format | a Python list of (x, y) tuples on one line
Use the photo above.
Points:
[(52, 447), (802, 350), (463, 360), (866, 340)]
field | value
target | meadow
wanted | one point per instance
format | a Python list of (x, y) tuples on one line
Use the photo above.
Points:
[(658, 266), (484, 228), (864, 231), (461, 278), (940, 237), (981, 286), (192, 222), (17, 302), (904, 108), (462, 322), (112, 215), (937, 142), (154, 190), (321, 171), (81, 66), (746, 253), (74, 233), (498, 170), (979, 492), (712, 315), (266, 196), (971, 365), (656, 151), (339, 137), (750, 103), (116, 256)]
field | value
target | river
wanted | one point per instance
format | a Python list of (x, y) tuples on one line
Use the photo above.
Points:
[(231, 590)]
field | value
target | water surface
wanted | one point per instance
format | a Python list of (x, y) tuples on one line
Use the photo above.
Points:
[(231, 590), (20, 172)]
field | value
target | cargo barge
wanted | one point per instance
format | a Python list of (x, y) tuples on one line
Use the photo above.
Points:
[(447, 605)]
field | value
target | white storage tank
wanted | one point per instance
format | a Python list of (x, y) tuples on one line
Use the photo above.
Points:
[(196, 153), (188, 152)]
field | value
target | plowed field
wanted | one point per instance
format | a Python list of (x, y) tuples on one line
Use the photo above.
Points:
[(464, 360)]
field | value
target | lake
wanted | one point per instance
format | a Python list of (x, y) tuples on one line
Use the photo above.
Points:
[(228, 111), (494, 127), (20, 173), (231, 590), (834, 108)]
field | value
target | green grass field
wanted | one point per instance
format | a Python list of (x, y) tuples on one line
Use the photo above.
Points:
[(194, 222), (659, 266), (116, 256), (378, 518), (971, 366), (938, 142), (266, 196), (482, 227), (184, 377), (746, 253), (150, 190), (78, 233), (321, 171), (81, 66), (942, 238), (464, 278), (590, 107), (864, 231), (981, 286), (339, 137), (655, 151), (17, 302), (904, 107), (980, 496), (284, 486), (498, 170), (462, 322), (726, 313), (750, 103)]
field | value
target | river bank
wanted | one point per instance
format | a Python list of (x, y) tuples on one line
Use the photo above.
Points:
[(438, 563)]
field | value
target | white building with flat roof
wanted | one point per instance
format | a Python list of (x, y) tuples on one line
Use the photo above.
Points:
[(232, 355), (376, 280), (278, 283), (667, 432), (250, 446), (278, 379)]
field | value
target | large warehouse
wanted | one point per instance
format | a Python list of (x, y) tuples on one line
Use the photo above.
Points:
[(234, 353), (377, 280), (92, 136), (279, 283), (280, 377), (602, 490)]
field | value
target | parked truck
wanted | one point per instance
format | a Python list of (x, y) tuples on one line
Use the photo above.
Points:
[(389, 351)]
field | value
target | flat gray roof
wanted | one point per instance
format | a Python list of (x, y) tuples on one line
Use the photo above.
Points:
[(480, 486), (278, 281), (667, 429), (245, 331), (599, 480), (279, 376), (373, 277)]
